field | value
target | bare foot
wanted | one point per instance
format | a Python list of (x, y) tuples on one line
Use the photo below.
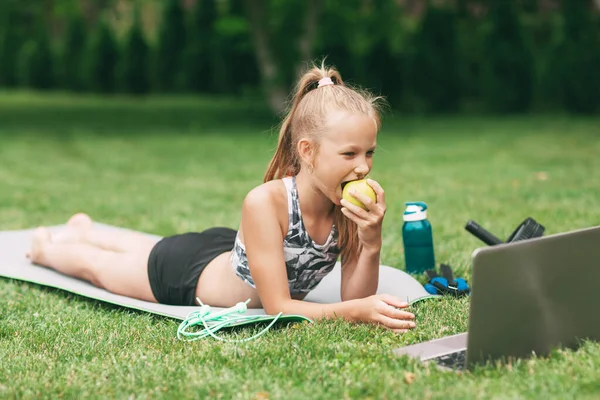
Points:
[(76, 228), (80, 220), (41, 238)]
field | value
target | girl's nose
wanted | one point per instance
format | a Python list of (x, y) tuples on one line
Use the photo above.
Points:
[(362, 170)]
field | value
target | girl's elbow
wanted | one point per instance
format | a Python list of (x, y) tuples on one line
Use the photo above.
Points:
[(275, 307)]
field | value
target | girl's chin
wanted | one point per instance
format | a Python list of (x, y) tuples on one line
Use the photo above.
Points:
[(334, 195), (336, 198)]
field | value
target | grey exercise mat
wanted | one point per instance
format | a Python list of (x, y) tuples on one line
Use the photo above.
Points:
[(14, 264)]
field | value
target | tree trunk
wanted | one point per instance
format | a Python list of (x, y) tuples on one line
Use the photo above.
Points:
[(267, 65)]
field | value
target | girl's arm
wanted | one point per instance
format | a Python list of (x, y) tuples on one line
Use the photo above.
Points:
[(263, 241), (360, 276)]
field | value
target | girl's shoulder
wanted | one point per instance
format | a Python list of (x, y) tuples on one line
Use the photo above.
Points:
[(268, 195), (266, 204)]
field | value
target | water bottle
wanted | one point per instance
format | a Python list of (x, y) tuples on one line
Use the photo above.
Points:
[(418, 238)]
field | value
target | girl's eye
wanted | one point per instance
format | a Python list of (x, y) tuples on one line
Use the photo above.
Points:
[(352, 154)]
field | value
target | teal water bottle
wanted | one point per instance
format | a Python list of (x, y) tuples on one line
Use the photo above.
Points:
[(418, 238)]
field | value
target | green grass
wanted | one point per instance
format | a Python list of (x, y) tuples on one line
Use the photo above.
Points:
[(171, 165)]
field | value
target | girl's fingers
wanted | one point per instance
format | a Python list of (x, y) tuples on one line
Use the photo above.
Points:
[(363, 198), (393, 301), (359, 211), (350, 215), (393, 323), (400, 316), (379, 192)]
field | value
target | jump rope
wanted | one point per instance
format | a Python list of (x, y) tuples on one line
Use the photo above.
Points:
[(213, 321)]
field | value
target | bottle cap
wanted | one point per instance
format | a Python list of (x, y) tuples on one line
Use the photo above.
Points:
[(415, 211)]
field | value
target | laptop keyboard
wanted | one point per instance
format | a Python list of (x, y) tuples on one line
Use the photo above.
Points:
[(457, 360)]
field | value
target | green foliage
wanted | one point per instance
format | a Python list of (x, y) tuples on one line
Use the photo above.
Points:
[(171, 43), (72, 54), (101, 60), (496, 56), (285, 27), (236, 49), (507, 63), (10, 43), (368, 42), (201, 49), (384, 74), (578, 60), (343, 39), (133, 69), (470, 44), (434, 69), (544, 33), (25, 60), (35, 64)]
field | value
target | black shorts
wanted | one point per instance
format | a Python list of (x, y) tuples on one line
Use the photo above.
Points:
[(176, 262)]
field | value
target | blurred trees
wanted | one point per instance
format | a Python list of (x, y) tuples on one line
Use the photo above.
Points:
[(434, 70), (169, 48), (100, 59), (507, 62), (34, 62), (12, 38), (201, 73), (578, 59), (423, 55), (71, 52), (134, 71)]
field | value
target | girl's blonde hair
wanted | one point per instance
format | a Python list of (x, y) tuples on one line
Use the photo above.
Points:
[(307, 118)]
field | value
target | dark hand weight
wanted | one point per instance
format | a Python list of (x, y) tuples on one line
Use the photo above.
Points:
[(528, 229)]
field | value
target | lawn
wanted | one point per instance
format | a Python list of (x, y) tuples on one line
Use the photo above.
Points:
[(171, 165)]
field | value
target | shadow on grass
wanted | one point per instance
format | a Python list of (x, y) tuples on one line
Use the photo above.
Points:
[(64, 115)]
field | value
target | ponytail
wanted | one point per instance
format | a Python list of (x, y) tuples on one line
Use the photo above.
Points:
[(285, 160)]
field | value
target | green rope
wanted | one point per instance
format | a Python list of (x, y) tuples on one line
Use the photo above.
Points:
[(219, 320)]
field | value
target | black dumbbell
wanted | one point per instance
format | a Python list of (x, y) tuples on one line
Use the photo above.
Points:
[(528, 229)]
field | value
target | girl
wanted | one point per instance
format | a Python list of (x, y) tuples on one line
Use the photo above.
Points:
[(294, 227)]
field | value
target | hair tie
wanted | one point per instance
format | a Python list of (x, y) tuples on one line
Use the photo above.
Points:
[(325, 81)]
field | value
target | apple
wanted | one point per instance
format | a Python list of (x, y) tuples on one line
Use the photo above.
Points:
[(360, 186)]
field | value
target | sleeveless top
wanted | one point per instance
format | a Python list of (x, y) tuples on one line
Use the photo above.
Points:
[(306, 262)]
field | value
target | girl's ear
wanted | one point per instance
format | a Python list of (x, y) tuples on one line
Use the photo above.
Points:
[(306, 151)]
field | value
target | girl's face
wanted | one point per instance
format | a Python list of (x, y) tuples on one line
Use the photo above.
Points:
[(345, 153)]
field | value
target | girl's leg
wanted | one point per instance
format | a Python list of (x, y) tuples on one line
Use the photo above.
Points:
[(80, 229), (123, 273)]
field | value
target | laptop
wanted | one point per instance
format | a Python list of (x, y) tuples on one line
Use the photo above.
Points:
[(527, 297)]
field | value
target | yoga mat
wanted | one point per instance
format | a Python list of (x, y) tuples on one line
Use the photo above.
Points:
[(13, 264)]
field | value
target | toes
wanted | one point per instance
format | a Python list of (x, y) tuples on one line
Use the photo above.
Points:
[(41, 237), (80, 220), (42, 233)]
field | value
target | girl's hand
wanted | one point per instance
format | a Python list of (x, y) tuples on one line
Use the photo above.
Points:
[(370, 221), (383, 309)]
